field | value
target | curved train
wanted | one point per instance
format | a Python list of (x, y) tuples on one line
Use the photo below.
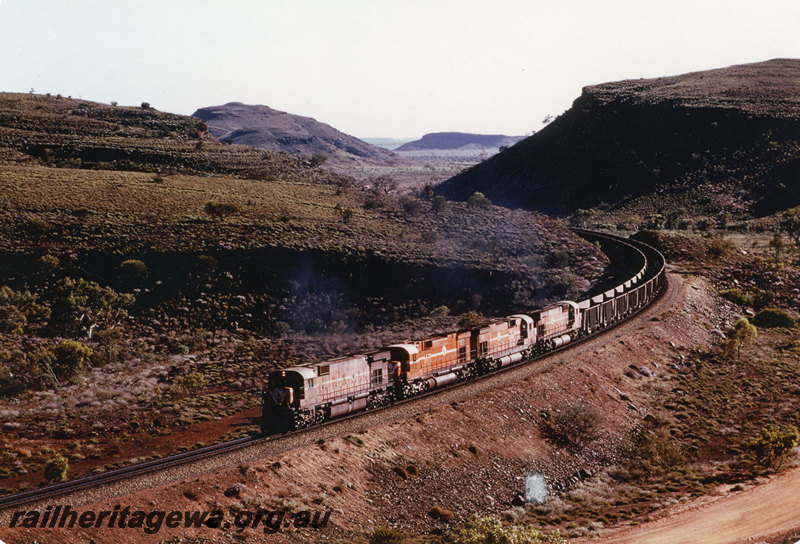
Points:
[(302, 396)]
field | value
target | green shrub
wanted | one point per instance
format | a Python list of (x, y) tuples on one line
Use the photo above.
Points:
[(440, 311), (49, 262), (479, 200), (71, 357), (386, 535), (773, 317), (18, 309), (737, 297), (192, 381), (773, 445), (741, 333), (484, 530), (56, 469), (132, 271)]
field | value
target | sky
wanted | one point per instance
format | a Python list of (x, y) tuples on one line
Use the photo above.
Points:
[(378, 68)]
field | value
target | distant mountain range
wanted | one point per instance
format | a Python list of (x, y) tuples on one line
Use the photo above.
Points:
[(459, 140), (267, 128)]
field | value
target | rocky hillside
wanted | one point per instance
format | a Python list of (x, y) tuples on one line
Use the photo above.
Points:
[(266, 128), (459, 140), (718, 141)]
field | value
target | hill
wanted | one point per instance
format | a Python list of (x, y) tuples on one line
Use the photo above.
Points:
[(723, 141), (459, 140), (181, 270), (267, 128)]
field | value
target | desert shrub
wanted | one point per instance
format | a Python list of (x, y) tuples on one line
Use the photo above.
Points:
[(386, 535), (374, 201), (192, 381), (705, 224), (482, 530), (479, 200), (146, 105), (790, 224), (741, 333), (220, 210), (18, 309), (659, 448), (572, 426), (684, 224), (132, 271), (763, 299), (35, 228), (70, 357), (773, 317), (83, 306), (737, 297), (442, 514), (10, 382), (12, 320), (410, 205), (346, 213), (317, 159), (56, 469), (470, 320), (774, 444), (440, 311), (438, 204), (49, 262), (654, 221), (719, 247)]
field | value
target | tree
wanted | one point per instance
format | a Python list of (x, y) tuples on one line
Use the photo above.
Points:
[(83, 306), (790, 224), (56, 469), (743, 332), (383, 184), (773, 445)]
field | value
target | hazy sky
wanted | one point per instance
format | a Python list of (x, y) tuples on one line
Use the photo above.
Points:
[(378, 67)]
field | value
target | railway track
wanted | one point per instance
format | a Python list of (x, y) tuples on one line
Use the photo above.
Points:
[(649, 269)]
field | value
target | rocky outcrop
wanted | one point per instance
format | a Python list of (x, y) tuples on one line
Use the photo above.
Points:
[(721, 140)]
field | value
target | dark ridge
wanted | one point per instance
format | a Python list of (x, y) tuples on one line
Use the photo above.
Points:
[(721, 140)]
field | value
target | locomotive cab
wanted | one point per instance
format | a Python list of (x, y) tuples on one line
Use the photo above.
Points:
[(405, 355), (285, 393)]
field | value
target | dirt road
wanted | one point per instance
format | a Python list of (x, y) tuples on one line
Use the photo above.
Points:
[(753, 515)]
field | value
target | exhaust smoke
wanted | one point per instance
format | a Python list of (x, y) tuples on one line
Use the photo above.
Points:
[(535, 488)]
